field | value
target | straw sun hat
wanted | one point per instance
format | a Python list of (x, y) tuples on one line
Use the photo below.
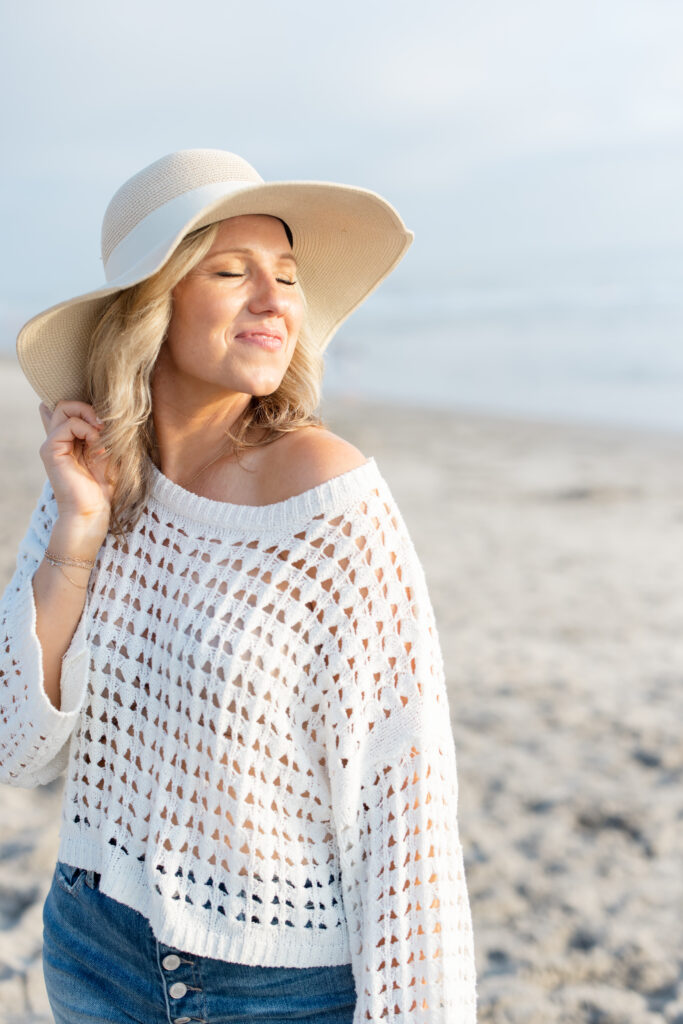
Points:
[(346, 241)]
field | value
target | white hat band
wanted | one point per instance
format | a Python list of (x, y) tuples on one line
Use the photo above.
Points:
[(347, 240), (165, 222)]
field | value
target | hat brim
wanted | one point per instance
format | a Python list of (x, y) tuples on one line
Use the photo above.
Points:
[(346, 242)]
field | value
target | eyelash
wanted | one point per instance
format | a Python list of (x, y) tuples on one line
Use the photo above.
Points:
[(227, 273)]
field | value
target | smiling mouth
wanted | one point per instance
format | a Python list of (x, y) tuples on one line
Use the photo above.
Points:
[(262, 338)]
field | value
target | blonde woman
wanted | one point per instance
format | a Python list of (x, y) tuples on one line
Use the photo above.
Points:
[(220, 631)]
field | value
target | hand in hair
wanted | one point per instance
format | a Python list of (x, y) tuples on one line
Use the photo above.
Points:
[(77, 467)]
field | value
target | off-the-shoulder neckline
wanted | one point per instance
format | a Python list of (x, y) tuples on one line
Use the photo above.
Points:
[(327, 497)]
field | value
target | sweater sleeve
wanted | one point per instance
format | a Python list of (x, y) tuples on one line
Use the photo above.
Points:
[(391, 758), (34, 735)]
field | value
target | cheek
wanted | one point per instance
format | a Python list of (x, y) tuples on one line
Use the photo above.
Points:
[(195, 318), (182, 315), (296, 316)]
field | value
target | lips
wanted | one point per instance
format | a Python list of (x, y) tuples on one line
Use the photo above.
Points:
[(270, 340)]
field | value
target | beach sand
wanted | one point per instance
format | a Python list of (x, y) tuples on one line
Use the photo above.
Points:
[(552, 555)]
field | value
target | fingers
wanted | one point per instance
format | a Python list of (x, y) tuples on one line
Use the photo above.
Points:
[(65, 410), (76, 462), (65, 433), (46, 417), (73, 429), (68, 419)]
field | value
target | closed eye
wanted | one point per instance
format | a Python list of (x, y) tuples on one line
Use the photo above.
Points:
[(230, 273)]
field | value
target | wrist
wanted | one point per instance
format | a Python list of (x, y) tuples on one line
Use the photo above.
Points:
[(77, 539)]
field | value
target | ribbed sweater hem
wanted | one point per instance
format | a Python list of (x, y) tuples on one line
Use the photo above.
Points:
[(262, 945)]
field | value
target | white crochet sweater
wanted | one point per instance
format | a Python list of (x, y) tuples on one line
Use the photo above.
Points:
[(256, 736)]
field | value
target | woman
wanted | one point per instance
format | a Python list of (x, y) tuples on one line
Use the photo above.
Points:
[(220, 629)]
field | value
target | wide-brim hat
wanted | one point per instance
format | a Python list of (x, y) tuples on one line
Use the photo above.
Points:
[(346, 240)]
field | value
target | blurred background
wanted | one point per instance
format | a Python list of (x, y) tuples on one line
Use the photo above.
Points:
[(536, 149), (518, 379)]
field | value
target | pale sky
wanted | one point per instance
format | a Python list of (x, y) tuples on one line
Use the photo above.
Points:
[(536, 133)]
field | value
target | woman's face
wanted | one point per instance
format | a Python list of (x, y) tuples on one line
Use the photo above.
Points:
[(236, 315)]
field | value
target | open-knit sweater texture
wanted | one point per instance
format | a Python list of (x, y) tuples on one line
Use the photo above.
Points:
[(256, 739)]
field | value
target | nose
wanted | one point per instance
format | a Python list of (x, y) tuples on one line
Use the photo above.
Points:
[(269, 296)]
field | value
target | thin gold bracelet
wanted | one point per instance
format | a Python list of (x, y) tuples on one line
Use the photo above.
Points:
[(78, 563), (66, 576)]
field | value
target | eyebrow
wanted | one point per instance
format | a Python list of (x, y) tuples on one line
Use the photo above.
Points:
[(249, 252)]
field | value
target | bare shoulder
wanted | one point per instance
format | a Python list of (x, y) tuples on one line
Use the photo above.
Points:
[(307, 458)]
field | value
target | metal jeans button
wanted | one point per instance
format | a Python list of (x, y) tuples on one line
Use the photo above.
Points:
[(171, 962), (177, 990), (182, 1020)]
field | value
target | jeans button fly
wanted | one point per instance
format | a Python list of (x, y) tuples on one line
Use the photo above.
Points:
[(177, 990), (170, 962)]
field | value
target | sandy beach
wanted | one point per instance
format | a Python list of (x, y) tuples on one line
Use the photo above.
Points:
[(551, 552)]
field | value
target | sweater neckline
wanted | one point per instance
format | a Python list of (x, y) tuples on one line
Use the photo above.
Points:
[(335, 493)]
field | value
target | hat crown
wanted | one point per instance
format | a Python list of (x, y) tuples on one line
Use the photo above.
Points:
[(164, 180), (346, 241)]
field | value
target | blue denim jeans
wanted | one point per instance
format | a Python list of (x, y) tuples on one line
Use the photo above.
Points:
[(103, 965)]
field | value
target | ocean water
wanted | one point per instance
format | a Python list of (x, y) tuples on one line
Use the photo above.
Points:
[(595, 347), (603, 354)]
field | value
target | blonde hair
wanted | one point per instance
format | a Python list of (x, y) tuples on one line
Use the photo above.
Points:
[(123, 351)]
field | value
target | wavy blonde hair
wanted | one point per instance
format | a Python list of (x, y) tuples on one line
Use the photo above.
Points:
[(123, 351)]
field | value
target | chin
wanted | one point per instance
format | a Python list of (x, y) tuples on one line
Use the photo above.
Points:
[(264, 391), (259, 389)]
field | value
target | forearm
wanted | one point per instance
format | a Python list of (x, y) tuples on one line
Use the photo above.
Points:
[(59, 593)]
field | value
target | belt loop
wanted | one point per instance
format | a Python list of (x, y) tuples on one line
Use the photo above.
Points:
[(92, 879)]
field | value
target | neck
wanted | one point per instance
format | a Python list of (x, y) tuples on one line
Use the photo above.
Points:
[(191, 429)]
